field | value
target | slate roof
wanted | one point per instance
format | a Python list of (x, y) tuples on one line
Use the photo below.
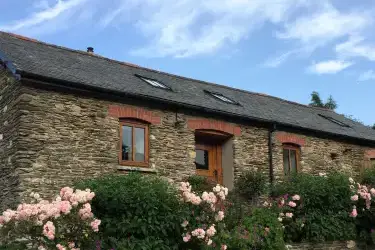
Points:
[(31, 56)]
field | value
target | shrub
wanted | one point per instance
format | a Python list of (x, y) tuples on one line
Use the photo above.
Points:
[(200, 183), (251, 185), (323, 209), (260, 230), (66, 221), (236, 208), (363, 211), (203, 226), (137, 211), (368, 177)]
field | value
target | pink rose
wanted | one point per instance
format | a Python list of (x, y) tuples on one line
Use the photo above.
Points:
[(354, 213), (186, 238), (354, 197), (292, 204), (289, 215), (296, 197), (223, 247)]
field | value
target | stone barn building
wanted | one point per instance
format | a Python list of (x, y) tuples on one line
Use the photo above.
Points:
[(68, 114)]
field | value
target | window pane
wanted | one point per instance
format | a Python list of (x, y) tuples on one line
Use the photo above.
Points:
[(139, 144), (286, 161), (126, 143), (293, 161), (201, 159)]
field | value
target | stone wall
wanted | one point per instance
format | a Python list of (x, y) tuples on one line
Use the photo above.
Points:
[(9, 121), (319, 154), (322, 246), (65, 137)]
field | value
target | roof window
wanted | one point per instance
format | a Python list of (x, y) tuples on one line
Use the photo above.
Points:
[(331, 119), (222, 97), (154, 83)]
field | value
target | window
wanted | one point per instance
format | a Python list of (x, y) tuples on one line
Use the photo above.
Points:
[(133, 143), (201, 159), (154, 83), (331, 119), (372, 161), (222, 97), (290, 159)]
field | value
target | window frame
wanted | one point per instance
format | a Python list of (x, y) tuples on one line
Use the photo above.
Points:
[(222, 98), (154, 83), (297, 149), (134, 124), (372, 162)]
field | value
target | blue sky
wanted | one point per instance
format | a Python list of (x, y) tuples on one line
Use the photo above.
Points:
[(284, 48)]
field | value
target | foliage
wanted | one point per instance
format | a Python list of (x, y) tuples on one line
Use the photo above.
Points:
[(66, 221), (137, 211), (236, 208), (251, 185), (323, 210), (316, 101), (200, 183), (204, 222), (373, 126), (368, 177), (363, 211), (260, 230)]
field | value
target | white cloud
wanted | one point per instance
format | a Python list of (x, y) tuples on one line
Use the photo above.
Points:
[(366, 76), (324, 26), (192, 27), (43, 16), (356, 46), (329, 67)]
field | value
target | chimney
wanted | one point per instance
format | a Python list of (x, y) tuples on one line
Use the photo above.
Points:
[(90, 50)]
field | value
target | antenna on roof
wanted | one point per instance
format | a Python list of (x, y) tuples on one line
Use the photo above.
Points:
[(90, 50)]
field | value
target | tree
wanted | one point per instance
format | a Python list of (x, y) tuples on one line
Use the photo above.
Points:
[(373, 126), (316, 101)]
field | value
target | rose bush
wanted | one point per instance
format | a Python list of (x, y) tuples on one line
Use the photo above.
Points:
[(203, 224), (64, 223)]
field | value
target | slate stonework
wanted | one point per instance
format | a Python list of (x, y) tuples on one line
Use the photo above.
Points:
[(60, 138), (9, 123), (319, 154)]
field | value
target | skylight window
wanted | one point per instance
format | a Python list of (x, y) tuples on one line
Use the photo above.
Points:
[(331, 119), (222, 98), (154, 83)]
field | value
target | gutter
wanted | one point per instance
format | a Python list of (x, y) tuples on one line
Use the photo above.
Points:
[(270, 154), (54, 82)]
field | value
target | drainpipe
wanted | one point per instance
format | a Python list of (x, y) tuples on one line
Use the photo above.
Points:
[(270, 133)]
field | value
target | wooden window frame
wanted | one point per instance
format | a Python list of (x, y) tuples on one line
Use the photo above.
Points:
[(135, 124), (298, 156), (372, 161)]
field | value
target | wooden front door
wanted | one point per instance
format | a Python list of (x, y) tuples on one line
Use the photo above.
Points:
[(208, 162)]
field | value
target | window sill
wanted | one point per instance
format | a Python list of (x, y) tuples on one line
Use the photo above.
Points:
[(137, 169)]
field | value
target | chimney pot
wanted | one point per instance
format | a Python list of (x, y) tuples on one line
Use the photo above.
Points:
[(90, 49)]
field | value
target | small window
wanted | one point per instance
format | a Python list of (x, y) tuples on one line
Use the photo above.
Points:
[(331, 119), (154, 83), (201, 159), (222, 97), (290, 159), (372, 161), (133, 144)]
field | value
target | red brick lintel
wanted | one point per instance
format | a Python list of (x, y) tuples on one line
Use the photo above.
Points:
[(284, 137), (214, 125), (370, 154), (135, 113)]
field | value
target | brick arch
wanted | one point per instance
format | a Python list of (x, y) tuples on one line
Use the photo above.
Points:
[(288, 138), (370, 154), (206, 124), (134, 113)]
